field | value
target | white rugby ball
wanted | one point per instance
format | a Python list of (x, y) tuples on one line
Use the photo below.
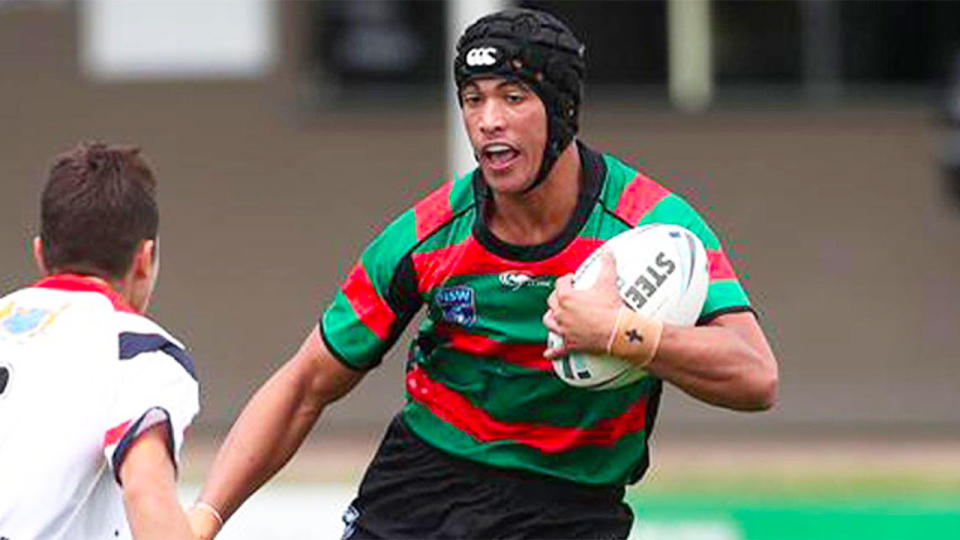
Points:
[(661, 273)]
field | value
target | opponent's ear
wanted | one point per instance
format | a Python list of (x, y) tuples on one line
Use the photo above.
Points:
[(38, 256), (144, 258)]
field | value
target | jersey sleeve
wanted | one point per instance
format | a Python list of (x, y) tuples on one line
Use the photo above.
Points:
[(725, 293), (155, 384), (377, 299)]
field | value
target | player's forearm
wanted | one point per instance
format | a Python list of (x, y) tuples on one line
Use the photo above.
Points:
[(716, 365), (155, 513), (148, 479), (268, 432)]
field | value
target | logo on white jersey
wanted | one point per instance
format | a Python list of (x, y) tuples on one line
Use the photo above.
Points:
[(516, 280), (6, 373), (24, 322), (482, 56)]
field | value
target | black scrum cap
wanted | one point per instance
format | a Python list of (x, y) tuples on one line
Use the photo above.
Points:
[(537, 49)]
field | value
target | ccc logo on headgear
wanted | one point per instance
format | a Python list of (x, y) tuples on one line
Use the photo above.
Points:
[(482, 56)]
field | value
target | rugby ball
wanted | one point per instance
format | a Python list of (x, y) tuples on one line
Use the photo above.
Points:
[(661, 273)]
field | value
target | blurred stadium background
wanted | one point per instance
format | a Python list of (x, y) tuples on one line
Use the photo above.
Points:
[(815, 136)]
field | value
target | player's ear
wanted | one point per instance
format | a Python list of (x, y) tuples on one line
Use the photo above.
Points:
[(144, 259), (38, 256), (141, 277)]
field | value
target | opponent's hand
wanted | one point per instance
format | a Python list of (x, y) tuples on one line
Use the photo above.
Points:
[(204, 524), (584, 318)]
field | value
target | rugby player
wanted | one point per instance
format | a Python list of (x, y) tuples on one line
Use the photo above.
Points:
[(490, 443), (94, 396)]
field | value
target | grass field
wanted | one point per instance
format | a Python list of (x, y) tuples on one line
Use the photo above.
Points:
[(775, 491), (298, 511)]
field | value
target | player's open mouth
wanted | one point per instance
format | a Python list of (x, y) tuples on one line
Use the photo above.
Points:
[(499, 155)]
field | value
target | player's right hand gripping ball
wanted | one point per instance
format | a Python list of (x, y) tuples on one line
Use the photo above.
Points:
[(662, 273)]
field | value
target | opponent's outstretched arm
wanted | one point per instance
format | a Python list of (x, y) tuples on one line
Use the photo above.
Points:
[(726, 363), (270, 429)]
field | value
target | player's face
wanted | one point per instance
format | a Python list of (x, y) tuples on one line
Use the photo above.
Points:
[(507, 125)]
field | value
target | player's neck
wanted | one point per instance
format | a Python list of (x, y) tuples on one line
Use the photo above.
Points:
[(540, 215), (118, 286)]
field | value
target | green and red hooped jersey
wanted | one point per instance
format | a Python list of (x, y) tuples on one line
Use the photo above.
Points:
[(477, 385)]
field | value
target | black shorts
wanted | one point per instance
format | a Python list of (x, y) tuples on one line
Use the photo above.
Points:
[(414, 491)]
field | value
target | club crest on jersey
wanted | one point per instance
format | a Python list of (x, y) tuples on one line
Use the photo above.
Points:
[(482, 56), (22, 322), (517, 280), (457, 305)]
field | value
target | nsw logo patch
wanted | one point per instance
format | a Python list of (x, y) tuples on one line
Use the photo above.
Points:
[(457, 305)]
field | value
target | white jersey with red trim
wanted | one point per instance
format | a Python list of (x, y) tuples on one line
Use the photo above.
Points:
[(81, 375)]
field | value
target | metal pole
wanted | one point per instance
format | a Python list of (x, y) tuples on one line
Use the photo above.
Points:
[(690, 51), (460, 13), (821, 49)]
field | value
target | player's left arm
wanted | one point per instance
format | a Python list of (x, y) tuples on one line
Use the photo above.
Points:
[(157, 396), (727, 362), (148, 477)]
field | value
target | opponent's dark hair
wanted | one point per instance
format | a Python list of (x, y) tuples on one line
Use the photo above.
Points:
[(541, 51), (97, 206)]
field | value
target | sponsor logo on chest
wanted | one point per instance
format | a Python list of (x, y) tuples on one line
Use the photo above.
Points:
[(515, 281)]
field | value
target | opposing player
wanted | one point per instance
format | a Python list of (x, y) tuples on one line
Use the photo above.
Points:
[(490, 443), (94, 396)]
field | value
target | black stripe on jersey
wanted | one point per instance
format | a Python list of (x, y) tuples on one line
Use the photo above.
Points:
[(594, 175), (403, 296), (120, 452), (705, 319), (132, 344), (617, 217)]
